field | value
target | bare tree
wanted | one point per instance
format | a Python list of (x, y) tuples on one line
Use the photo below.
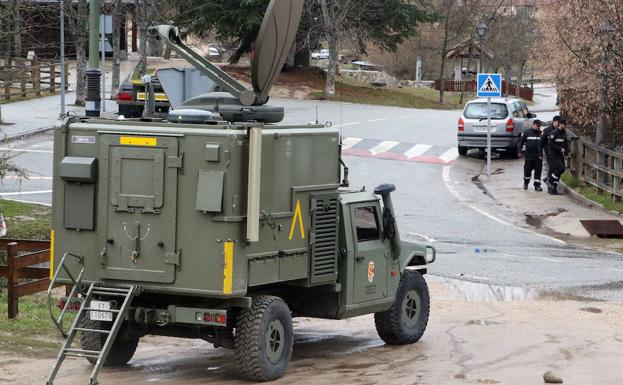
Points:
[(145, 17), (118, 10)]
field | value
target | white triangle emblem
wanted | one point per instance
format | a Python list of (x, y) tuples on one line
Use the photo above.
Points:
[(489, 86)]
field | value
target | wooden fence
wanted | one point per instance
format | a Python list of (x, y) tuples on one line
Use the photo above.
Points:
[(27, 270), (23, 78), (597, 166), (525, 93)]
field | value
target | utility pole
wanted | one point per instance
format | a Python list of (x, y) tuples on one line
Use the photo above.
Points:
[(94, 33), (63, 78)]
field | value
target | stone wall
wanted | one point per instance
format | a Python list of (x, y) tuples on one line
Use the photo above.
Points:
[(380, 77)]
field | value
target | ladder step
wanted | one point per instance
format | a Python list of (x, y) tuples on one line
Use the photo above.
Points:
[(92, 330), (111, 294), (82, 355), (114, 311), (82, 351), (111, 289)]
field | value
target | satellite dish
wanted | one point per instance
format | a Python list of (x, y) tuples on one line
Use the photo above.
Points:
[(273, 44)]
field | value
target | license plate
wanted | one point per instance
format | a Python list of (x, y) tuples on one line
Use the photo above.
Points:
[(481, 129), (100, 315)]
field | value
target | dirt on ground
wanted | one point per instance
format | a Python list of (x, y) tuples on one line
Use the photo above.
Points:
[(467, 342)]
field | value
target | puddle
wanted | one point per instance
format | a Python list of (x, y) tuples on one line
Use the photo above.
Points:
[(466, 291)]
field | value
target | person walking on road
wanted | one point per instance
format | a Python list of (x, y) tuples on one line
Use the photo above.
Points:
[(545, 145), (533, 155), (558, 145)]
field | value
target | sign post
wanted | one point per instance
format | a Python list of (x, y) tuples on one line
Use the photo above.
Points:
[(489, 86)]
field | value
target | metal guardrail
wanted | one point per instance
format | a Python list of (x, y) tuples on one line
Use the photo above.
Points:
[(23, 258), (597, 166)]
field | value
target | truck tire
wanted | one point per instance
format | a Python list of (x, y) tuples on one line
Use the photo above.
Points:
[(405, 322), (463, 150), (122, 350), (264, 339)]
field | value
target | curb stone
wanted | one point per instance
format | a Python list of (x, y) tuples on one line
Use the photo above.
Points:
[(585, 201), (26, 134)]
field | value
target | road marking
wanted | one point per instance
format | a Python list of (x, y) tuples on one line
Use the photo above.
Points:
[(26, 150), (473, 277), (350, 142), (348, 124), (547, 259), (383, 147), (449, 155), (28, 177), (9, 194), (29, 202), (448, 182), (418, 150), (425, 237), (377, 120)]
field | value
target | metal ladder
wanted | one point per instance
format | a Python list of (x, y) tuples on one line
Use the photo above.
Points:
[(95, 290)]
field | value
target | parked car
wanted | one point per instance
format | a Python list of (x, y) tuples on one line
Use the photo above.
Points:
[(131, 97), (323, 54), (509, 118)]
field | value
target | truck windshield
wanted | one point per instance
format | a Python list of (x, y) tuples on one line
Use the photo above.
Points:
[(499, 111)]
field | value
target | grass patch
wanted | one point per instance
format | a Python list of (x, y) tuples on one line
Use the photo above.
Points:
[(423, 98), (25, 220), (33, 333), (591, 193)]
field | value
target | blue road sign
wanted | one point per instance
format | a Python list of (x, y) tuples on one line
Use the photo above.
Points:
[(489, 85)]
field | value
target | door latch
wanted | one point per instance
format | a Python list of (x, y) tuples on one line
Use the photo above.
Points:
[(137, 245)]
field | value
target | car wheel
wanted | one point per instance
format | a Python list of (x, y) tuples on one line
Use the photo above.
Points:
[(514, 152), (463, 150)]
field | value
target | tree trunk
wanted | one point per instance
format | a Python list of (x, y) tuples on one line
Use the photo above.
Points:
[(116, 48), (81, 65), (333, 49), (17, 32)]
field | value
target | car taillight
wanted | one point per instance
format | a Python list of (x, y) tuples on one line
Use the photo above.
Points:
[(510, 125), (125, 96), (461, 124)]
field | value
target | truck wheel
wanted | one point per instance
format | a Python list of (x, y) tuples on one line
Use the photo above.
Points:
[(463, 150), (264, 339), (405, 322), (122, 350)]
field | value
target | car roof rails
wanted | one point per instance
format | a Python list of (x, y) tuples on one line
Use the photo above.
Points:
[(272, 46)]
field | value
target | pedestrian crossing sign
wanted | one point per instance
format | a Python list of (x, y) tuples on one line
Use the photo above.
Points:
[(489, 85)]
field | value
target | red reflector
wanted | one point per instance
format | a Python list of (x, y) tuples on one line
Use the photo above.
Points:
[(394, 273), (207, 317), (125, 96), (220, 319), (461, 124)]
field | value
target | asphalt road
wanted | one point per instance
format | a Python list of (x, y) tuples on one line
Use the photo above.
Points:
[(473, 246)]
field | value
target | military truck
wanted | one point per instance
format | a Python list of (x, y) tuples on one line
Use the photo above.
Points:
[(197, 227)]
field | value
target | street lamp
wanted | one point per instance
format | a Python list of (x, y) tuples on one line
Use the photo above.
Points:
[(481, 29)]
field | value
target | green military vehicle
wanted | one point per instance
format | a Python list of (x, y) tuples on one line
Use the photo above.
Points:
[(197, 227)]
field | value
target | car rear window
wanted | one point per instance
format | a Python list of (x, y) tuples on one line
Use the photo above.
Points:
[(499, 111)]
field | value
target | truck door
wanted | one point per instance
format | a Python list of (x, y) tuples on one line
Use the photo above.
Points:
[(138, 208), (370, 267)]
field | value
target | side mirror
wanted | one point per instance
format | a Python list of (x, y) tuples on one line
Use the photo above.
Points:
[(531, 115)]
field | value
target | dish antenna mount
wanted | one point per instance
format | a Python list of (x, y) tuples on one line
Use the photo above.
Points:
[(272, 47)]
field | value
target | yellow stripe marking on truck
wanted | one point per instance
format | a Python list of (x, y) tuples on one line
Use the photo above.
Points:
[(160, 97), (51, 254), (138, 141), (297, 218), (228, 270)]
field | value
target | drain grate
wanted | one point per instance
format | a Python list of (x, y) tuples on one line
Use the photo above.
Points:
[(604, 228)]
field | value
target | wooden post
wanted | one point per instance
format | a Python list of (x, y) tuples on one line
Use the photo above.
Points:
[(11, 252), (35, 71), (580, 161), (616, 181), (52, 78), (21, 66)]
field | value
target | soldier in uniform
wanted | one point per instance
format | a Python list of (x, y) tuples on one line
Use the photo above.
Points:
[(533, 155), (545, 145), (558, 145)]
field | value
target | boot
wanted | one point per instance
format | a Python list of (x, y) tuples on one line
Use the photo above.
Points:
[(537, 187), (525, 186)]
